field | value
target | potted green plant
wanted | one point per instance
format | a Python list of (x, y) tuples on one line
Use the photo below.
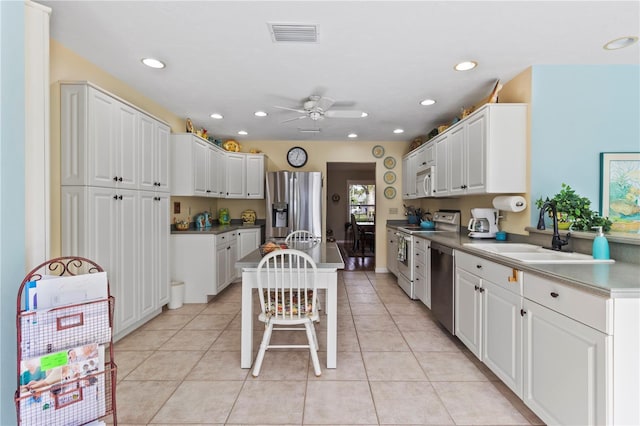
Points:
[(574, 211)]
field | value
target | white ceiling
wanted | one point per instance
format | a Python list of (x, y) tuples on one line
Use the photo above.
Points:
[(382, 57)]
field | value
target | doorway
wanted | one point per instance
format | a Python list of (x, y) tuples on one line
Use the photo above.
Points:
[(340, 204)]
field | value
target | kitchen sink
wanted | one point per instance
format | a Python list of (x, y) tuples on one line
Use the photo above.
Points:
[(529, 253)]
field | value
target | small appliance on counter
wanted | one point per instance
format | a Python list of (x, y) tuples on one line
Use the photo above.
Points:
[(483, 223), (223, 216)]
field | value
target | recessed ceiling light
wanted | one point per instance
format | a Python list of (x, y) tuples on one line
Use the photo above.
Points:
[(153, 63), (260, 114), (465, 66), (216, 116), (427, 102), (620, 43), (352, 135), (364, 114), (243, 132), (398, 131)]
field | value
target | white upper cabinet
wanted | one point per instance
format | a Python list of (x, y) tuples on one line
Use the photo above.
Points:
[(154, 154), (108, 143), (485, 153), (236, 175), (255, 176), (194, 166), (199, 168), (409, 189)]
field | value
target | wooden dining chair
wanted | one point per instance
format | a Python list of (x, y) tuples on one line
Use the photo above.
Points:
[(288, 300), (361, 237)]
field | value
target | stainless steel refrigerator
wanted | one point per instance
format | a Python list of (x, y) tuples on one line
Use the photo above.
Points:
[(294, 202)]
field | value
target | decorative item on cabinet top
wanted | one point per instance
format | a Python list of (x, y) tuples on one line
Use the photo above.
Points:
[(189, 126), (231, 145)]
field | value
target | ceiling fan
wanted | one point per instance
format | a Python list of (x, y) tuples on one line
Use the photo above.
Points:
[(318, 108)]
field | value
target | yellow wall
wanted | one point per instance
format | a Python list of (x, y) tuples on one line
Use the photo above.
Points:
[(518, 90)]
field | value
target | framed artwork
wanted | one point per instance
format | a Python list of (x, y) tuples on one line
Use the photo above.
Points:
[(620, 190)]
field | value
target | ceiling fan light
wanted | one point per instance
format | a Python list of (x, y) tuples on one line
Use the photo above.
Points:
[(427, 102), (260, 114), (465, 66), (620, 43), (352, 135), (216, 116), (398, 131), (243, 133), (153, 63)]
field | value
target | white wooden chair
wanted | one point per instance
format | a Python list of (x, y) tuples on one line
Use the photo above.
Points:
[(288, 299), (301, 237)]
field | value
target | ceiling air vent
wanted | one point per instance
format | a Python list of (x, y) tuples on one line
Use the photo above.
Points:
[(301, 33)]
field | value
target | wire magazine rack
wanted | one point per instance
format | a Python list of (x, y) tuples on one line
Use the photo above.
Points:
[(66, 371)]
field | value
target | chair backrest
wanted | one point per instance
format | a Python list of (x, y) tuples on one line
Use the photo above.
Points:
[(286, 284), (301, 236), (354, 224)]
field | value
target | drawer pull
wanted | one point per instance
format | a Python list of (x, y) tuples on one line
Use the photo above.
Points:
[(554, 294), (514, 276), (479, 266)]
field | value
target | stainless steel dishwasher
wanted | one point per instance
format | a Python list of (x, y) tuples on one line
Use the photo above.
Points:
[(442, 288)]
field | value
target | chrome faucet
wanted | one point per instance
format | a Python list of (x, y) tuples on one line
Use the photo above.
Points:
[(556, 241)]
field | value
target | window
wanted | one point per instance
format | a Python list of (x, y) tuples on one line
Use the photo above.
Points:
[(362, 200)]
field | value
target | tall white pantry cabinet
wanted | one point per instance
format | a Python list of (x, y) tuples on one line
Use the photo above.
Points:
[(115, 197)]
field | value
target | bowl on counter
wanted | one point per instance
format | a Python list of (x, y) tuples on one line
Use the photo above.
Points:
[(182, 226)]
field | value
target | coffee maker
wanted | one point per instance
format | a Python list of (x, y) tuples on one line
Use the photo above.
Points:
[(483, 223)]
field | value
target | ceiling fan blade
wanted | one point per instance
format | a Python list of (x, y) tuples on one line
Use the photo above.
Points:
[(324, 103), (293, 119), (301, 111), (343, 114)]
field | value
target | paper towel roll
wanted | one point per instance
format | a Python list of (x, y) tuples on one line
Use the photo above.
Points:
[(510, 203)]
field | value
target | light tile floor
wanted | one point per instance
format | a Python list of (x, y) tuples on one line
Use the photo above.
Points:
[(396, 366)]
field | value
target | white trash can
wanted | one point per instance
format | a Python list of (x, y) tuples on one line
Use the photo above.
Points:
[(177, 295)]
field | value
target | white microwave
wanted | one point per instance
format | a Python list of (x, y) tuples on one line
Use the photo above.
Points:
[(425, 182)]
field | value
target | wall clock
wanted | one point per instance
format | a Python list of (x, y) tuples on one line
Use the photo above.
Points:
[(297, 157)]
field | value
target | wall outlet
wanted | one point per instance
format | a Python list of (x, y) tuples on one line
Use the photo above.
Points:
[(393, 210)]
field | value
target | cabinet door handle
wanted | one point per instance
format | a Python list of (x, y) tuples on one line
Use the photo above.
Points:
[(479, 266), (522, 312), (554, 294), (476, 287), (514, 276), (115, 197), (120, 179), (119, 197), (115, 178), (481, 289)]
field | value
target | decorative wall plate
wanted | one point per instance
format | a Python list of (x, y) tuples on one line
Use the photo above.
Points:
[(389, 162), (390, 192), (378, 151), (389, 177)]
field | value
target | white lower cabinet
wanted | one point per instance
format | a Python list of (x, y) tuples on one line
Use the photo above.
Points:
[(564, 368), (204, 262), (248, 241), (226, 257), (392, 251), (421, 276), (488, 301), (107, 225)]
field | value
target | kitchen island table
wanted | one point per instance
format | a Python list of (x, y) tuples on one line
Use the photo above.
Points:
[(328, 260)]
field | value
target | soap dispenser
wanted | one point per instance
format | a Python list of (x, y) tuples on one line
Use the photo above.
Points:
[(600, 244)]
